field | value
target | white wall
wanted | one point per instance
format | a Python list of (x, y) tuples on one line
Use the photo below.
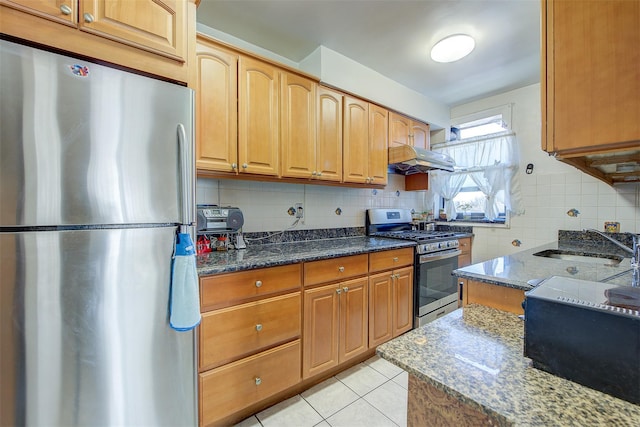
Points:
[(552, 189), (265, 204)]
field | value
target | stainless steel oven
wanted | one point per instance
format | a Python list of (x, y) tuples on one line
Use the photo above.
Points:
[(436, 256), (436, 289)]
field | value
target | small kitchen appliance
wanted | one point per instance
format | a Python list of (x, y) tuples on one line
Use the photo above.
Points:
[(219, 228), (587, 332), (436, 256)]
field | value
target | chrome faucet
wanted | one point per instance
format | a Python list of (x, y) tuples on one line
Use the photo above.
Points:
[(635, 253)]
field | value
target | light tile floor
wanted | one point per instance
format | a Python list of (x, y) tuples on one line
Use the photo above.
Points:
[(370, 394)]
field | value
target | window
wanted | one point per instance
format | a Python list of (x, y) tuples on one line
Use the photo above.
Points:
[(483, 188)]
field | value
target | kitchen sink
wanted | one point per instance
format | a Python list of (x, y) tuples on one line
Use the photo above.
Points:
[(592, 258)]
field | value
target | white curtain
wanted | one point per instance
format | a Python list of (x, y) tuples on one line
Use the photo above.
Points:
[(447, 186), (492, 162)]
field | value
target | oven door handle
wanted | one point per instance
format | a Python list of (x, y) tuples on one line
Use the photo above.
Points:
[(454, 253)]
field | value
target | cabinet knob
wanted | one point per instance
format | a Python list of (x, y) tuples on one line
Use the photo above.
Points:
[(346, 289), (395, 259), (314, 173), (258, 380), (258, 283), (234, 166), (319, 173), (341, 269), (244, 166), (338, 291), (88, 18), (258, 327), (66, 10)]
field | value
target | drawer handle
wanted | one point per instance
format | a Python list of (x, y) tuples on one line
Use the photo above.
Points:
[(395, 259), (258, 283), (258, 327), (345, 289), (341, 269), (258, 380)]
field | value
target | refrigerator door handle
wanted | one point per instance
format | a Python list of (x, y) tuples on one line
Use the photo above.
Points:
[(186, 170)]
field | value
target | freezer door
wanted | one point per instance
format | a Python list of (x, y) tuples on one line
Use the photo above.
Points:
[(82, 143), (85, 332)]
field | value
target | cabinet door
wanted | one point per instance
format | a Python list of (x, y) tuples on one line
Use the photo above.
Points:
[(63, 11), (399, 130), (158, 26), (258, 118), (378, 144), (356, 140), (298, 125), (402, 300), (592, 85), (321, 322), (353, 318), (216, 108), (329, 141), (420, 135), (380, 306)]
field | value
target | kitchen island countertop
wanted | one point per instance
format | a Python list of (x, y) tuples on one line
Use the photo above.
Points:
[(516, 270), (260, 256), (475, 355)]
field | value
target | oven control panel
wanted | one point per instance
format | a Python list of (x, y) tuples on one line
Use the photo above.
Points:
[(426, 248)]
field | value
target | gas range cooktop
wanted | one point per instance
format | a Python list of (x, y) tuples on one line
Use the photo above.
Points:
[(416, 236)]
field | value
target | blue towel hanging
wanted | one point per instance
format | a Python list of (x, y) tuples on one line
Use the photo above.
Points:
[(184, 305)]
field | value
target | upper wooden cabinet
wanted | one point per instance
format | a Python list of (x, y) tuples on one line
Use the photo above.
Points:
[(164, 28), (405, 131), (329, 140), (378, 144), (365, 142), (216, 108), (591, 85), (154, 25), (298, 126), (258, 117)]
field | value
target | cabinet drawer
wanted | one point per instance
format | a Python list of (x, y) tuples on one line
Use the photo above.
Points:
[(231, 333), (232, 387), (465, 245), (223, 290), (335, 269), (387, 260)]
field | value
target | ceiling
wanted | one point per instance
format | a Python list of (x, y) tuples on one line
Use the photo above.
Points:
[(394, 37)]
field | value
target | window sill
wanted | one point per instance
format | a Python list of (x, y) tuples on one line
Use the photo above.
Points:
[(475, 223)]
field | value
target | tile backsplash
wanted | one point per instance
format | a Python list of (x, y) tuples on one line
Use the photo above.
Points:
[(265, 204)]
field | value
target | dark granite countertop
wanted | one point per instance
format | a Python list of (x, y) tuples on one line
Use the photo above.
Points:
[(516, 270), (259, 256), (475, 354)]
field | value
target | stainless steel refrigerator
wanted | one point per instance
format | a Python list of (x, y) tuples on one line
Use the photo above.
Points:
[(96, 177)]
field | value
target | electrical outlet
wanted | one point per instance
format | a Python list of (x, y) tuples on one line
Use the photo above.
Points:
[(299, 210)]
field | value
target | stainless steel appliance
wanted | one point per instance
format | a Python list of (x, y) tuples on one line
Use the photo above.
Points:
[(435, 289), (409, 160), (92, 191), (587, 332)]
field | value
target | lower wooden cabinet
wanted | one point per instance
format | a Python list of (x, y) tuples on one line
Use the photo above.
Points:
[(231, 333), (390, 304), (335, 325), (232, 387), (464, 258), (496, 296)]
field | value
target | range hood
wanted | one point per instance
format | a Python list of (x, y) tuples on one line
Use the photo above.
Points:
[(409, 160)]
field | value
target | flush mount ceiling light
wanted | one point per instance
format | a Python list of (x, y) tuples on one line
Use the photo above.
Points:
[(452, 48)]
